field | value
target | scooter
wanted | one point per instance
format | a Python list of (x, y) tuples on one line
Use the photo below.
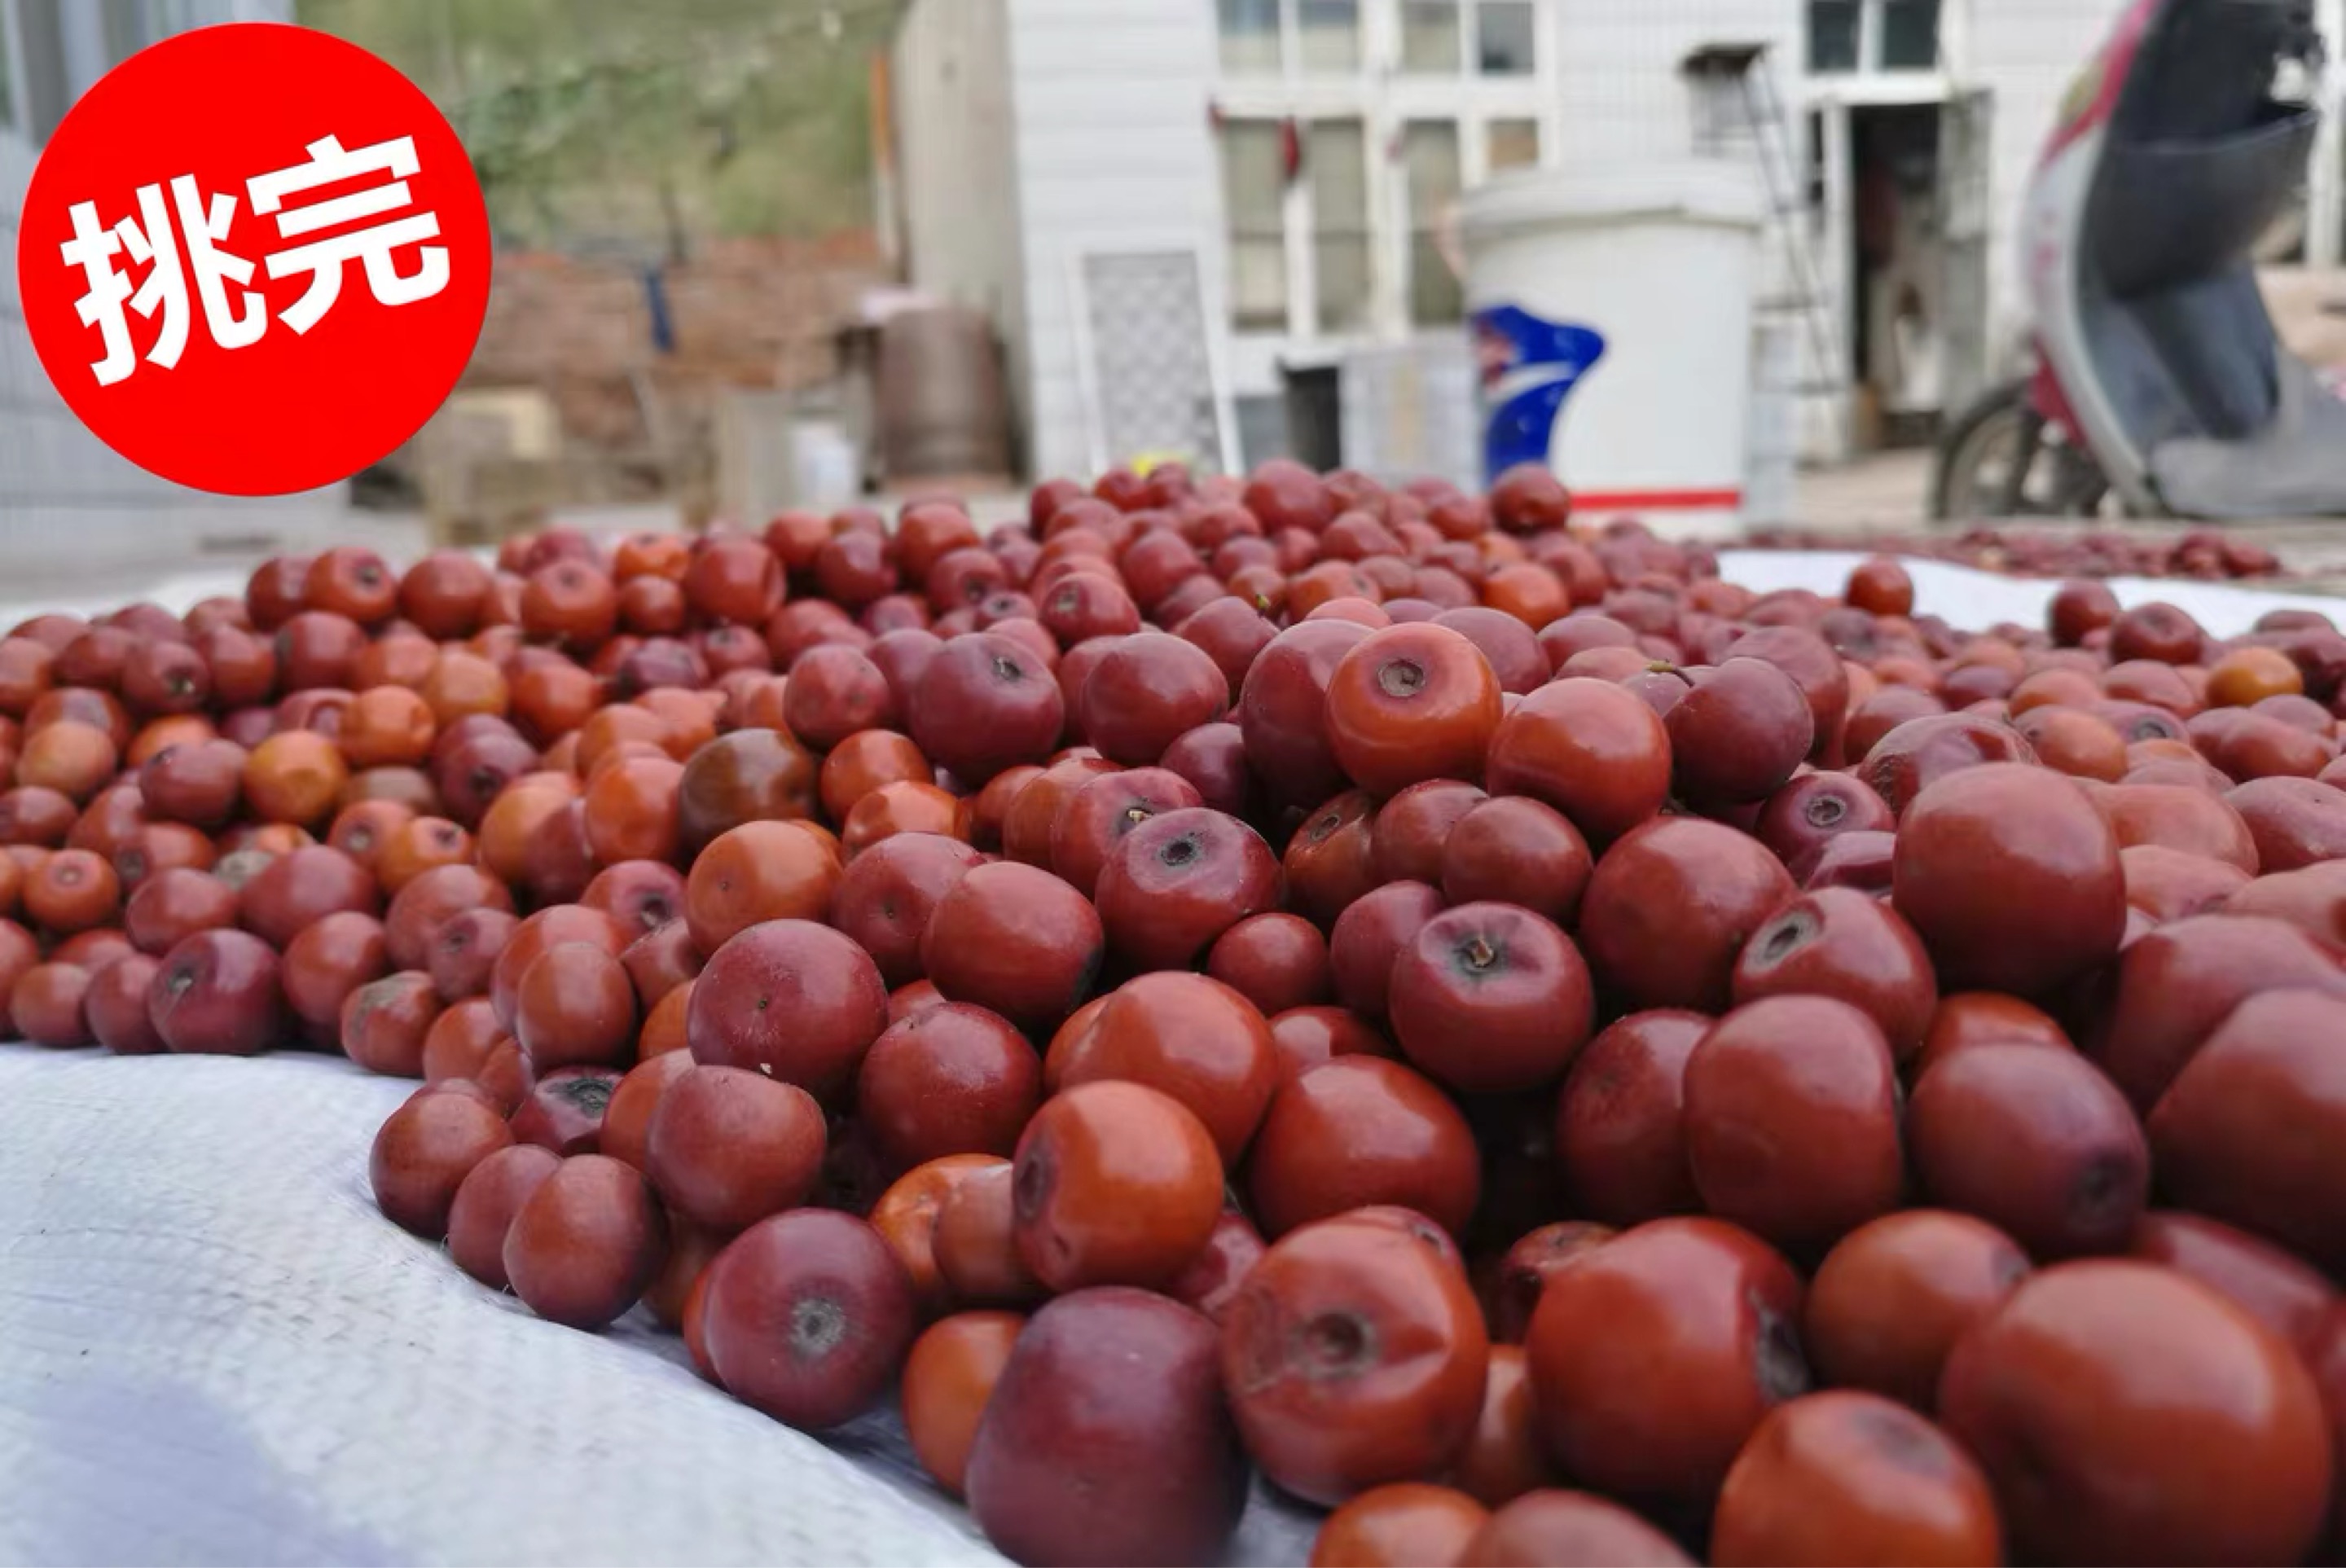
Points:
[(2159, 388)]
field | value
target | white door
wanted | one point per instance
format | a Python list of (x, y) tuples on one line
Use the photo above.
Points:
[(1144, 361)]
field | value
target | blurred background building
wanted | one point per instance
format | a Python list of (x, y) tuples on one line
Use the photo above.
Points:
[(70, 507), (1290, 167), (760, 253)]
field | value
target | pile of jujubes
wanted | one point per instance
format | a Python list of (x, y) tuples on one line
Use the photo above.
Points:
[(1540, 1051)]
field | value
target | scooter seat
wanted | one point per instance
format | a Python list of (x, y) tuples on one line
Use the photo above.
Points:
[(2294, 467)]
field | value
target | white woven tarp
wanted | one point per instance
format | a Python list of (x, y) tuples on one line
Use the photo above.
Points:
[(213, 1349), (1976, 600)]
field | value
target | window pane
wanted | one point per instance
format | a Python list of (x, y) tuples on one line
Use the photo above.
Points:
[(1253, 179), (1430, 164), (1429, 37), (1833, 34), (1254, 185), (1910, 34), (1435, 299), (1258, 285), (1502, 37), (1340, 273), (1511, 144), (1337, 161), (1332, 35), (1262, 428), (1340, 175), (1429, 151), (1251, 37)]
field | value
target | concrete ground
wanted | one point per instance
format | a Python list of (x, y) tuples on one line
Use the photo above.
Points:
[(1887, 492)]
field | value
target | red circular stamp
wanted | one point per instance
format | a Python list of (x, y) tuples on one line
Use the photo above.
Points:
[(254, 258)]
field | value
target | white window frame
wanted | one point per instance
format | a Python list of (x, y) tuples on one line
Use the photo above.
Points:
[(1285, 32), (1290, 41), (1460, 11), (1229, 235), (1308, 242), (1470, 42), (1468, 14), (1871, 29), (1463, 132), (1384, 97), (1290, 45)]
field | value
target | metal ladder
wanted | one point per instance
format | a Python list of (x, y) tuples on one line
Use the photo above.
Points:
[(1735, 94)]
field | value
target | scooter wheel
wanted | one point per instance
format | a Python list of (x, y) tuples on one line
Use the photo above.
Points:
[(1961, 488)]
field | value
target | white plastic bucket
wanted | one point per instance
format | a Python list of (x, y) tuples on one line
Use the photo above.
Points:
[(1612, 313)]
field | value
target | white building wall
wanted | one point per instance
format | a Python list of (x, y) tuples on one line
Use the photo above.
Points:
[(2028, 52), (1623, 100), (1386, 99), (1623, 97), (1115, 152), (951, 88), (1110, 103), (67, 503)]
